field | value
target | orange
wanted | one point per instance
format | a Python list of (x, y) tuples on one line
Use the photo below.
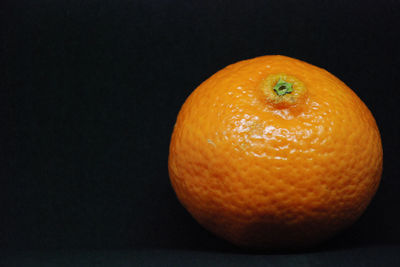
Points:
[(275, 153)]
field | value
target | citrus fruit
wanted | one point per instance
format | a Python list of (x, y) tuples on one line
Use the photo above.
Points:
[(273, 153)]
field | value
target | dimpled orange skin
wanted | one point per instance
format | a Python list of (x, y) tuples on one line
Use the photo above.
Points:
[(267, 177)]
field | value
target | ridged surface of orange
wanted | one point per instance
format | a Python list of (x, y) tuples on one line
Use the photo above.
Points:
[(267, 177)]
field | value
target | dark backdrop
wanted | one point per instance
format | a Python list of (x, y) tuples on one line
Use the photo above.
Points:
[(91, 90)]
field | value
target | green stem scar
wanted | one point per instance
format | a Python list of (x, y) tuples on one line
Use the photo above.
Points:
[(282, 88)]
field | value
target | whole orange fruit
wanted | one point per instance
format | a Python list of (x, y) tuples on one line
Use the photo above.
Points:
[(273, 152)]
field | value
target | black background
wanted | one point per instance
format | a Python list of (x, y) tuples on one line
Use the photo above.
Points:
[(91, 91)]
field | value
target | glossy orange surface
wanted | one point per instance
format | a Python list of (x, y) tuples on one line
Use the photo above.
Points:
[(267, 176)]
